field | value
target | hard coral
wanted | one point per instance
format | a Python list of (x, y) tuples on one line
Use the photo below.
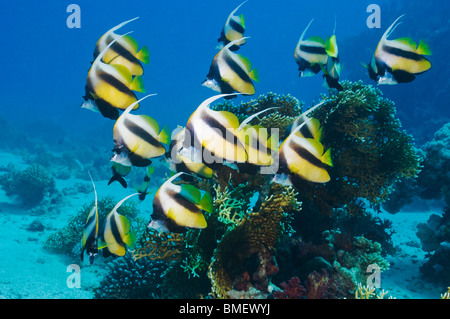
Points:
[(370, 149), (30, 185), (131, 279), (435, 238), (257, 233), (435, 174)]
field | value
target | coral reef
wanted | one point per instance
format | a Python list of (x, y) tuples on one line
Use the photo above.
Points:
[(68, 238), (128, 278), (249, 242), (434, 178), (370, 149), (30, 185), (366, 292), (259, 242), (435, 238), (344, 258)]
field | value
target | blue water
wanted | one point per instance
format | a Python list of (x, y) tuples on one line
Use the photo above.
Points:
[(45, 63)]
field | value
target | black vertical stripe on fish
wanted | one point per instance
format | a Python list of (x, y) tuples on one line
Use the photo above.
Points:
[(111, 80), (115, 231), (236, 26), (312, 49), (213, 123), (402, 76), (306, 155), (402, 53), (180, 200), (158, 212), (124, 53), (237, 68), (141, 133), (139, 161), (107, 110)]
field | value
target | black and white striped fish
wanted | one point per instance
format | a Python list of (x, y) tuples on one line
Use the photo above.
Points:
[(117, 232), (233, 29), (181, 206), (215, 131), (332, 70), (110, 87), (303, 158), (398, 61), (125, 51), (230, 72), (180, 162), (137, 138), (310, 54), (89, 242)]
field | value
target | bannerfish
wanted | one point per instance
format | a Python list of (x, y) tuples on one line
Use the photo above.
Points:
[(303, 158), (143, 188), (332, 69), (180, 162), (110, 87), (89, 242), (215, 132), (119, 171), (117, 232), (181, 205), (398, 61), (125, 51), (311, 127), (137, 138), (310, 54), (257, 142), (233, 29), (230, 72)]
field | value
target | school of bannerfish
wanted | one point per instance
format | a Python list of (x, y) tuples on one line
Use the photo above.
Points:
[(115, 76)]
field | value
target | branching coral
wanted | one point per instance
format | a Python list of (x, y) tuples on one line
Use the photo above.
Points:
[(69, 237), (366, 292), (128, 278), (30, 185), (370, 149), (229, 204), (258, 232)]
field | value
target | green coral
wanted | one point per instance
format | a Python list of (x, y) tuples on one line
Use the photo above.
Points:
[(68, 238), (370, 150), (30, 185)]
